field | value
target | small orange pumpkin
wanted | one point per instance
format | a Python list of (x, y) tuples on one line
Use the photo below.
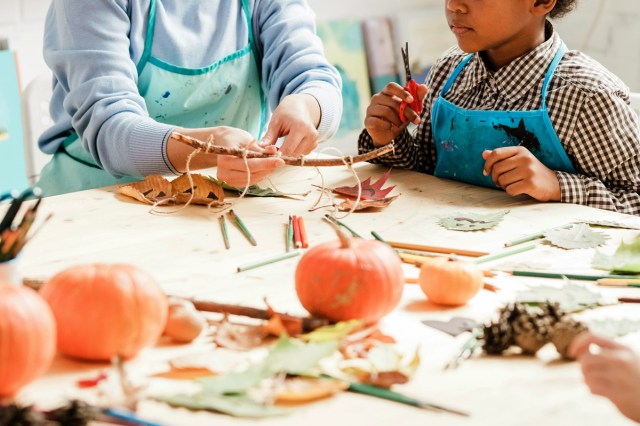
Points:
[(350, 279), (105, 310), (450, 282), (27, 337)]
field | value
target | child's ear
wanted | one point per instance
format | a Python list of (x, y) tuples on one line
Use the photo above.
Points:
[(543, 7)]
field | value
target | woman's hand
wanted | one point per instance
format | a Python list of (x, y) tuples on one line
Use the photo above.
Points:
[(232, 170), (297, 117), (383, 121), (612, 371), (518, 171)]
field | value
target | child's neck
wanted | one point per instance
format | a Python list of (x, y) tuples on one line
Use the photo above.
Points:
[(502, 56)]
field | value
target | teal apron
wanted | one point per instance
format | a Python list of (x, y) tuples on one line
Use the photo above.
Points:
[(462, 135), (226, 93)]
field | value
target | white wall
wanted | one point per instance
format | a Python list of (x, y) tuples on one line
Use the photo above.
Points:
[(608, 30)]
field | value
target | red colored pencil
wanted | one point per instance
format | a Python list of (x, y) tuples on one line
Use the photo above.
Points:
[(296, 232), (303, 233)]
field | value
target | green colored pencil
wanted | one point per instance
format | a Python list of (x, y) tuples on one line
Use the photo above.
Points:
[(290, 234), (269, 260), (560, 275), (225, 234), (495, 256), (378, 237), (242, 227), (344, 225), (533, 236)]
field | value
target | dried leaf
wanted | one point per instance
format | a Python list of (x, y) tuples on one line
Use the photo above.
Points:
[(472, 221), (238, 336), (205, 191), (305, 389), (370, 191), (334, 332), (384, 379), (277, 326), (153, 188), (348, 204), (612, 224), (257, 191), (626, 259), (571, 297), (579, 236), (188, 373), (235, 405)]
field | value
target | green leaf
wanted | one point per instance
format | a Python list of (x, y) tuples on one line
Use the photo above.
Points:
[(255, 190), (626, 259), (472, 221), (287, 356), (613, 223), (235, 405), (337, 331), (571, 297), (579, 236)]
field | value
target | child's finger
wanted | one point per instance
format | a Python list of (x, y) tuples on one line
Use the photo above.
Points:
[(394, 89), (498, 154), (509, 174), (384, 113)]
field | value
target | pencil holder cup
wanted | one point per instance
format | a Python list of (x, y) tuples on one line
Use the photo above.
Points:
[(10, 271)]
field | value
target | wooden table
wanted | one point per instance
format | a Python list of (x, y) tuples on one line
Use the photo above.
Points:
[(185, 252)]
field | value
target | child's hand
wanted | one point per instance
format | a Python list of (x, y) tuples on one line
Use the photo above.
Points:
[(613, 371), (383, 114), (518, 171), (233, 170)]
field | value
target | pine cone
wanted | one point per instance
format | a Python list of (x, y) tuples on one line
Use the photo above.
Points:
[(75, 413), (563, 334), (553, 312), (532, 330), (498, 337), (15, 415)]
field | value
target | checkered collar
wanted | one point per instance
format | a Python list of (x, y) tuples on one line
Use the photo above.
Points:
[(517, 78)]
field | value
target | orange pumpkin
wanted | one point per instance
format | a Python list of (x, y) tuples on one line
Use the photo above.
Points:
[(450, 282), (350, 279), (27, 337), (105, 310)]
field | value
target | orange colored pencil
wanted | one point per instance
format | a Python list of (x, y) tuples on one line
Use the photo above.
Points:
[(296, 232), (303, 233)]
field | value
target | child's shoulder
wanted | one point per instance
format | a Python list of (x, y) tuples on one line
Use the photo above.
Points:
[(588, 75)]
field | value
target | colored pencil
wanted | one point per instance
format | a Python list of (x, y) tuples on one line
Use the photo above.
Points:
[(560, 275), (225, 234), (533, 236), (378, 237), (290, 234), (268, 260), (617, 282), (435, 249), (296, 232), (242, 227), (303, 233), (503, 254), (628, 300), (127, 416), (344, 225)]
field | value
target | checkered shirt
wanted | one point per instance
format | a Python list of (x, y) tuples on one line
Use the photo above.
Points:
[(587, 104)]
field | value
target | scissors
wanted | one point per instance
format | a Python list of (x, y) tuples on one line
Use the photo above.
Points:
[(411, 87), (15, 205)]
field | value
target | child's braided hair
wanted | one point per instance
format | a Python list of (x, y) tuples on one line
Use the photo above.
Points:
[(562, 8)]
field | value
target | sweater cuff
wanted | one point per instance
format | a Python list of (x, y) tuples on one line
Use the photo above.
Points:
[(330, 109), (572, 188), (148, 148)]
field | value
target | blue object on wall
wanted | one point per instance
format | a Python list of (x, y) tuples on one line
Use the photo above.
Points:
[(13, 174)]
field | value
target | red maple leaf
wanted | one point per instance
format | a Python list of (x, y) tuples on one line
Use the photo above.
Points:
[(370, 191)]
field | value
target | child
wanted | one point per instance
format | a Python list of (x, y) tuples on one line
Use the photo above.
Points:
[(127, 73), (613, 371), (513, 108)]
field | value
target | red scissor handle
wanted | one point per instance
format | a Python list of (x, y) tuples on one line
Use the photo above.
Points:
[(416, 105)]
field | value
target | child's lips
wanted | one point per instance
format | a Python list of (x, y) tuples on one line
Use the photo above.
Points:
[(459, 29)]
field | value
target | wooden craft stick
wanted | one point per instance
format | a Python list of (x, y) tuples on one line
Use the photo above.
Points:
[(296, 232), (308, 323), (303, 233), (243, 227), (435, 249), (292, 161), (268, 260), (503, 254)]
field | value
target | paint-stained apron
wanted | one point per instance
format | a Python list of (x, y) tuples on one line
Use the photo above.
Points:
[(226, 93), (461, 135)]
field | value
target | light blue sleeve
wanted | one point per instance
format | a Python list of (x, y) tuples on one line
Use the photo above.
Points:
[(95, 92), (293, 59)]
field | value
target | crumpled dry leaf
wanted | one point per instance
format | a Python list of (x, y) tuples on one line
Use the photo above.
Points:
[(383, 379), (383, 366), (337, 331), (258, 191), (205, 191), (236, 336), (188, 373), (150, 190), (276, 325), (579, 236), (370, 191), (348, 204), (472, 221), (304, 389)]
